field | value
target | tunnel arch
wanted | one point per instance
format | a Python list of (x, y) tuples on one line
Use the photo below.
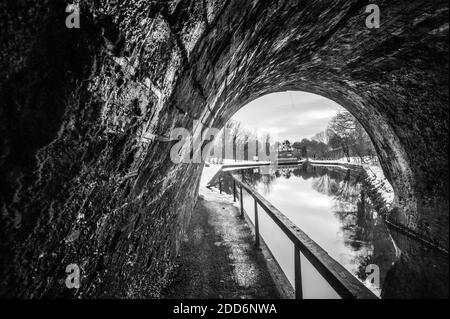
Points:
[(398, 172), (134, 71), (355, 76), (377, 130)]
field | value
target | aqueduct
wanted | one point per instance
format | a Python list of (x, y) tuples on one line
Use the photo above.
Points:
[(86, 175)]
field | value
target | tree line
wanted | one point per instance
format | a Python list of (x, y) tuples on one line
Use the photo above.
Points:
[(344, 137)]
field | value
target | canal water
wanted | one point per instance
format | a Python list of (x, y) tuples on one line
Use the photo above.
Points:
[(331, 205)]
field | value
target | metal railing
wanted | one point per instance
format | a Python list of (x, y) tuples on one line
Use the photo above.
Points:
[(340, 279)]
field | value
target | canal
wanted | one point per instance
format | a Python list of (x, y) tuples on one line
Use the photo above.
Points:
[(331, 205)]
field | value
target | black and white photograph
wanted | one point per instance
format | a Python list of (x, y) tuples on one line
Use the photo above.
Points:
[(224, 157)]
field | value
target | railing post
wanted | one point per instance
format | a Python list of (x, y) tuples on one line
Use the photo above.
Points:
[(242, 201), (220, 184), (298, 274), (256, 225), (234, 190)]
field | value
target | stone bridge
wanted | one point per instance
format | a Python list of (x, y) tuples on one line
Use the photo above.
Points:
[(86, 116)]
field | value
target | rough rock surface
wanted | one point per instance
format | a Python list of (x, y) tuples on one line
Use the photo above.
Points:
[(217, 257), (85, 116)]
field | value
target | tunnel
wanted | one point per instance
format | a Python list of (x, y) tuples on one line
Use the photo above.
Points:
[(87, 114)]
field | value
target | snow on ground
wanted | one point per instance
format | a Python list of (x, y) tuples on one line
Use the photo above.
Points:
[(379, 181), (238, 162), (343, 160), (208, 173)]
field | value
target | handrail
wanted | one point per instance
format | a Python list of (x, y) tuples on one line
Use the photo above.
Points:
[(339, 278)]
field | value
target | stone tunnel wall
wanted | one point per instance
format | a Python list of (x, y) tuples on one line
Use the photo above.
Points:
[(86, 116)]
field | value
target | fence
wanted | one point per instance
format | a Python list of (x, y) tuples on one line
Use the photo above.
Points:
[(339, 278)]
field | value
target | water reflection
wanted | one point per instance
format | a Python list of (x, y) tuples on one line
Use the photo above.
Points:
[(330, 204)]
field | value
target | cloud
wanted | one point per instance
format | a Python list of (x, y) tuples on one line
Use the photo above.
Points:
[(291, 115)]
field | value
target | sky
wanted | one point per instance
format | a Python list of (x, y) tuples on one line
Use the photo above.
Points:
[(288, 115)]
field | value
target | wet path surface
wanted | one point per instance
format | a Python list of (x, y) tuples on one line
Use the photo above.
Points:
[(217, 257)]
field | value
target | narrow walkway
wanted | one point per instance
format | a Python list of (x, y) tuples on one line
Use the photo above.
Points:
[(217, 258)]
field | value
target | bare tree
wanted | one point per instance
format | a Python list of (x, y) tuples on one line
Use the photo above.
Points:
[(241, 142)]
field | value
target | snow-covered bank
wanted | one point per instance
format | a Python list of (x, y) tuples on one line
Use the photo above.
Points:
[(375, 175), (377, 179)]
